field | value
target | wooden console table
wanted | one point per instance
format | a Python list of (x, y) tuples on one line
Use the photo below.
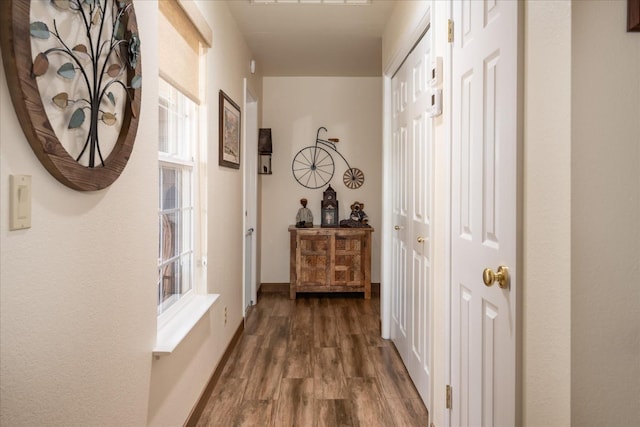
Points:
[(330, 260)]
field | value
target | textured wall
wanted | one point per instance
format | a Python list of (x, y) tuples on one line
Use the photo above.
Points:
[(77, 294), (605, 205), (547, 214)]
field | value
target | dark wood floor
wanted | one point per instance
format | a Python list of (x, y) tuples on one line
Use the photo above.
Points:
[(315, 361)]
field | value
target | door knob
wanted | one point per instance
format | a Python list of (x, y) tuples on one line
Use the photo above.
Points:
[(489, 277), (421, 239), (397, 227)]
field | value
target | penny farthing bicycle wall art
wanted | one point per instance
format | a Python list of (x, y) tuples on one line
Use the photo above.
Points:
[(313, 166), (73, 69)]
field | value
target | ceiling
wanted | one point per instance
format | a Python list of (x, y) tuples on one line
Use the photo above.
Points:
[(312, 39)]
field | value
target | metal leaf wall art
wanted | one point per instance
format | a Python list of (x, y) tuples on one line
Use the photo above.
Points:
[(74, 72), (100, 70)]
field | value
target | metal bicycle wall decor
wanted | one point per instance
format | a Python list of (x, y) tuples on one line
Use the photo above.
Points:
[(313, 166)]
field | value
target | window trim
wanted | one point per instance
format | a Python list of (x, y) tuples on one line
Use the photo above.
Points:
[(174, 330)]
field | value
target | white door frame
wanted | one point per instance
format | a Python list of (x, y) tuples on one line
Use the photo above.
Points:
[(250, 195)]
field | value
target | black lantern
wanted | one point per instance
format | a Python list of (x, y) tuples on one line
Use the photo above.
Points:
[(329, 208), (264, 151)]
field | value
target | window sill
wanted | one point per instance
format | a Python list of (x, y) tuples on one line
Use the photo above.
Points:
[(171, 334)]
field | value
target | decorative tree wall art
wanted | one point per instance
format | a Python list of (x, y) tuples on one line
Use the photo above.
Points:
[(74, 73)]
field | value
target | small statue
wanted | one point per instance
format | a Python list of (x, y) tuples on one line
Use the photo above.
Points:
[(304, 218), (357, 218)]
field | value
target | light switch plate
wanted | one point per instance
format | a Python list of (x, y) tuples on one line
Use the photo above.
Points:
[(20, 202), (435, 77), (435, 109)]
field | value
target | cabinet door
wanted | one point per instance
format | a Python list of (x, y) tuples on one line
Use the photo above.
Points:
[(313, 260), (349, 269)]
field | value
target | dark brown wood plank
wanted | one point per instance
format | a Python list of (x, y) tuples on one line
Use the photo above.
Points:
[(354, 354), (256, 322), (242, 360), (371, 330), (299, 360), (392, 375), (223, 404), (328, 374), (369, 408), (333, 413), (302, 317), (295, 404), (264, 381), (408, 412), (253, 413), (347, 321), (277, 332)]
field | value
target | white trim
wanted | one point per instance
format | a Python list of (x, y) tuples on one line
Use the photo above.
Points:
[(387, 216), (448, 138), (173, 331), (250, 172), (169, 160)]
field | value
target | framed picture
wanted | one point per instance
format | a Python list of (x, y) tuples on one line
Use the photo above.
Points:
[(229, 128), (633, 15)]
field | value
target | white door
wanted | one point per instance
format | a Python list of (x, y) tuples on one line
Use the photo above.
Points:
[(250, 169), (484, 177), (412, 150)]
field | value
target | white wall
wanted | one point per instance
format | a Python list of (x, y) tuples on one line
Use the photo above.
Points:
[(547, 222), (294, 108), (78, 299), (78, 294), (605, 219)]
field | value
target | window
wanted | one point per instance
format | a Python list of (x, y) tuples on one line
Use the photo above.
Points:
[(178, 134), (183, 38)]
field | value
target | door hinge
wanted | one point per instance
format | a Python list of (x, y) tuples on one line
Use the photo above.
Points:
[(448, 398), (450, 31)]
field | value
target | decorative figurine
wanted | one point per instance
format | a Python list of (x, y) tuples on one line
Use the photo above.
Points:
[(357, 218), (304, 218)]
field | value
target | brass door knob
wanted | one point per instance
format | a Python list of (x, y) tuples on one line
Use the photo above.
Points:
[(421, 239), (489, 277), (397, 227)]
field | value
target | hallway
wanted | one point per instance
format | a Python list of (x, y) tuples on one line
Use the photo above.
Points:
[(315, 361)]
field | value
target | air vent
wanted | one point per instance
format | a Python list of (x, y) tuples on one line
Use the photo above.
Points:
[(327, 2)]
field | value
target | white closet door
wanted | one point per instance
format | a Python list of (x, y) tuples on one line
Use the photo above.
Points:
[(412, 173), (485, 140)]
